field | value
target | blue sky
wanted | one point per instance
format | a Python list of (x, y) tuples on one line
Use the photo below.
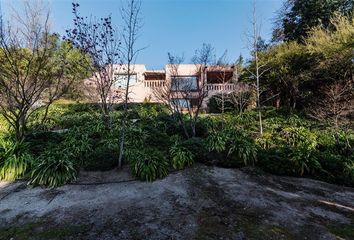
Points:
[(176, 26)]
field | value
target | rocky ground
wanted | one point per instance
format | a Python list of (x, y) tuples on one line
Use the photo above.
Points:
[(197, 203)]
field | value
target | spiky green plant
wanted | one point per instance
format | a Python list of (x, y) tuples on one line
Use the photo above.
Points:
[(53, 168), (181, 156), (147, 164), (15, 160)]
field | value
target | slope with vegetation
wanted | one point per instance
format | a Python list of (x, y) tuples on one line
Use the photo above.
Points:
[(302, 124), (290, 145)]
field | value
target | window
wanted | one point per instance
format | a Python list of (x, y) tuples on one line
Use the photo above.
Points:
[(180, 102), (184, 83), (219, 77), (120, 80)]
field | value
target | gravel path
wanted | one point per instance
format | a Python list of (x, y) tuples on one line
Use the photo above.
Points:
[(197, 203)]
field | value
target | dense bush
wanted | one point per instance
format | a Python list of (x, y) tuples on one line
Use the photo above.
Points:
[(15, 159), (198, 147), (147, 164), (102, 158), (292, 145), (234, 147), (180, 155), (242, 150), (53, 168), (77, 137)]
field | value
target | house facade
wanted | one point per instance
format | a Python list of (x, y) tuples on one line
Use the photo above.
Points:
[(184, 83)]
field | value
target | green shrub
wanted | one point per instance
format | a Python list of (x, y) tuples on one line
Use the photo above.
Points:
[(338, 142), (78, 143), (234, 145), (53, 168), (150, 110), (171, 126), (79, 119), (305, 161), (147, 164), (266, 141), (214, 106), (242, 149), (81, 108), (247, 121), (297, 137), (276, 161), (217, 141), (198, 147), (180, 155), (15, 160), (39, 141), (102, 158), (337, 168)]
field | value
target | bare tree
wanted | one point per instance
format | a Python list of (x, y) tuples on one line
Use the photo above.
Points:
[(101, 47), (185, 95), (241, 98), (34, 67), (131, 15), (202, 58), (259, 69), (224, 74), (335, 105), (174, 93)]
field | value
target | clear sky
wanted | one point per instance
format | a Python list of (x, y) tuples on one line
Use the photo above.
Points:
[(176, 26)]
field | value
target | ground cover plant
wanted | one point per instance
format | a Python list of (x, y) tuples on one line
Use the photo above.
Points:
[(76, 138)]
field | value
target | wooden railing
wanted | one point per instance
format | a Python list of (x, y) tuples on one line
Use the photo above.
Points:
[(221, 87), (154, 83)]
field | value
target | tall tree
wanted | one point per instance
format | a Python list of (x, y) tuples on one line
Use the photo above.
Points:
[(258, 68), (301, 74), (289, 70), (131, 15), (100, 44), (35, 67), (333, 70), (298, 17)]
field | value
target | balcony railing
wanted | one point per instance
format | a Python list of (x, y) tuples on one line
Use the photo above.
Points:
[(154, 83), (221, 87), (210, 87)]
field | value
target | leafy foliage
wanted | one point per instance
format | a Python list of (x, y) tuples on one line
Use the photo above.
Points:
[(53, 168), (15, 160), (243, 149), (216, 141), (147, 164), (234, 145), (299, 16), (180, 155), (291, 145)]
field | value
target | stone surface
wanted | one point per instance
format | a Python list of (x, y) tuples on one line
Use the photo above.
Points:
[(197, 203)]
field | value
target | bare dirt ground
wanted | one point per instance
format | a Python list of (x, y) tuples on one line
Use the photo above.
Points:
[(197, 203)]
